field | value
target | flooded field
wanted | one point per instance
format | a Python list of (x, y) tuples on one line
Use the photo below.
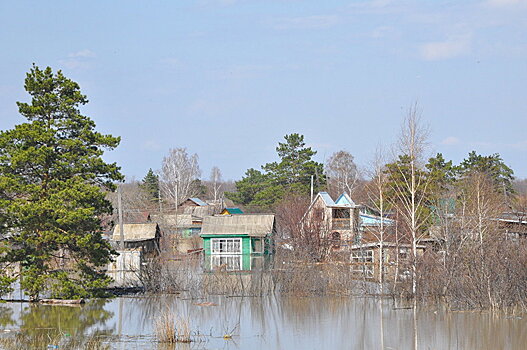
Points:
[(256, 323)]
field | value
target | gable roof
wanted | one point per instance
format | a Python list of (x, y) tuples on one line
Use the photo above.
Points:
[(136, 232), (345, 199), (259, 225), (233, 211), (326, 198)]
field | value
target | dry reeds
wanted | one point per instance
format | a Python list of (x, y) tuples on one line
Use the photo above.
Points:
[(168, 329)]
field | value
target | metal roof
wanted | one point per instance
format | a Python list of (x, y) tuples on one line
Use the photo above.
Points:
[(345, 199), (198, 201), (233, 210), (326, 198), (372, 220)]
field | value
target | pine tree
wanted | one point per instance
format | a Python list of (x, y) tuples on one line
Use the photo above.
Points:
[(52, 191), (150, 184)]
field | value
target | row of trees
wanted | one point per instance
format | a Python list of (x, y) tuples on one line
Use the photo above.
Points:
[(455, 206), (178, 179)]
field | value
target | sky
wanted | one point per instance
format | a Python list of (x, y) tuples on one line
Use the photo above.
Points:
[(227, 79)]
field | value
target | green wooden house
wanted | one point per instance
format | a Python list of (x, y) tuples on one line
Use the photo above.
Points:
[(235, 240)]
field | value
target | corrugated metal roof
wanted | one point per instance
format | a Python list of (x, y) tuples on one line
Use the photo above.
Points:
[(135, 232), (198, 201), (370, 220), (252, 225)]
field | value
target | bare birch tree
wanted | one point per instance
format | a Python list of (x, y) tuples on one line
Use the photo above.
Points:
[(376, 189), (410, 188), (216, 183), (342, 172), (179, 172)]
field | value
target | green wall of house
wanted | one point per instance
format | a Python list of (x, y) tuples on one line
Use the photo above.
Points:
[(247, 243)]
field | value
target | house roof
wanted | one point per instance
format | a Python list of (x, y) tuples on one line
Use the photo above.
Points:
[(326, 198), (259, 225), (179, 220), (373, 220), (345, 199), (233, 211), (198, 201), (136, 232)]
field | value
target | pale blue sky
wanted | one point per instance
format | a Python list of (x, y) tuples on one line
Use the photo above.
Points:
[(228, 78)]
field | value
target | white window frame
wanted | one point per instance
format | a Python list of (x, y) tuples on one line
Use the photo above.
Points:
[(230, 262), (229, 243), (365, 255)]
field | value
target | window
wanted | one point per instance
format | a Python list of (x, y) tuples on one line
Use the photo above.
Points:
[(365, 270), (226, 245), (227, 262), (362, 256)]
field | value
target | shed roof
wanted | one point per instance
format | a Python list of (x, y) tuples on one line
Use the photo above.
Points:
[(259, 225), (198, 201), (136, 232), (233, 211)]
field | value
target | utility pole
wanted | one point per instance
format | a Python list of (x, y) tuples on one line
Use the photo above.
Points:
[(120, 209), (312, 177)]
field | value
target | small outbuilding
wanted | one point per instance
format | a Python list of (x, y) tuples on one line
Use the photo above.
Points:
[(139, 236)]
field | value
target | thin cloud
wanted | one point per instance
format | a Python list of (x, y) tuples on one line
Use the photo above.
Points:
[(82, 53), (151, 145), (306, 22), (441, 50), (450, 141), (78, 60)]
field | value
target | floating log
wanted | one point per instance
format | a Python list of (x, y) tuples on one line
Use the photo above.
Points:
[(63, 301)]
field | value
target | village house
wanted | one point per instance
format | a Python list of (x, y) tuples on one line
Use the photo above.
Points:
[(141, 241), (234, 241), (356, 230)]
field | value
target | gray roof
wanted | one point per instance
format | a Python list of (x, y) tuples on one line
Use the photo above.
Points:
[(326, 198), (136, 232), (259, 225), (201, 211), (180, 220)]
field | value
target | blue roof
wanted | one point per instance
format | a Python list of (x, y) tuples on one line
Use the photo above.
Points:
[(327, 198), (370, 220), (198, 201), (344, 199)]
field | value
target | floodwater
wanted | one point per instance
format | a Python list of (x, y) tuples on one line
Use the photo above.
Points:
[(258, 323)]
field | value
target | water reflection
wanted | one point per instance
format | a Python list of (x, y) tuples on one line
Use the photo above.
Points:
[(264, 323), (69, 327)]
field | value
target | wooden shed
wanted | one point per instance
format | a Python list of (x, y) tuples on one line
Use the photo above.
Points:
[(139, 236)]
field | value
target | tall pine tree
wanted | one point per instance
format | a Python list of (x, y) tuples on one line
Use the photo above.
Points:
[(52, 191)]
